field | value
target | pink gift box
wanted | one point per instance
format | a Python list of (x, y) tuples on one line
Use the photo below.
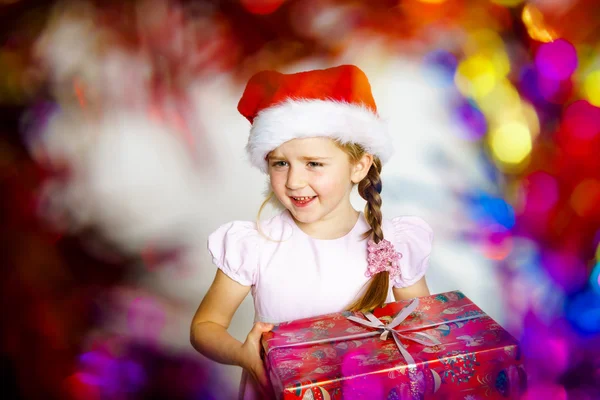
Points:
[(441, 346)]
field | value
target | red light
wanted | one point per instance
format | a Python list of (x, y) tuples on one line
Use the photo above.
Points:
[(261, 7)]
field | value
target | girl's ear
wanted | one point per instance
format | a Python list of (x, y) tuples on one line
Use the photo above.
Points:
[(361, 168)]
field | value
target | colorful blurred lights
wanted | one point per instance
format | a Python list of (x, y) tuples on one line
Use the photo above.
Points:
[(440, 66), (586, 197), (541, 192), (583, 311), (554, 91), (499, 243), (492, 212), (534, 21), (501, 211), (556, 60), (591, 88), (531, 117), (502, 102), (595, 278), (261, 7), (476, 76), (511, 143), (546, 390), (508, 3), (489, 44), (582, 120), (473, 119)]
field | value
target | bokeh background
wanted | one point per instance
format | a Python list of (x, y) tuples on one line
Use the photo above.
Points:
[(122, 149)]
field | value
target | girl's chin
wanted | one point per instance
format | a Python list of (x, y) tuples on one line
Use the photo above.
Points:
[(305, 217)]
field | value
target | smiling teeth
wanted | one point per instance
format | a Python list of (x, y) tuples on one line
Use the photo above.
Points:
[(303, 198)]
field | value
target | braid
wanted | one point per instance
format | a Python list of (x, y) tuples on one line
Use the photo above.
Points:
[(369, 189)]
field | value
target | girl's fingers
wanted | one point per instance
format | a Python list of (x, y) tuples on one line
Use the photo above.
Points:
[(259, 328), (258, 371), (262, 384), (261, 376)]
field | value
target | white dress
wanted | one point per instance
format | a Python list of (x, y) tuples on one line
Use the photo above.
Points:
[(296, 276)]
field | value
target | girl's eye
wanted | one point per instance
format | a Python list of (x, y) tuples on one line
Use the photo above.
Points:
[(314, 164), (279, 164)]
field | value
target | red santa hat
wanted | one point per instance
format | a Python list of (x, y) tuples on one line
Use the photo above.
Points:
[(336, 103)]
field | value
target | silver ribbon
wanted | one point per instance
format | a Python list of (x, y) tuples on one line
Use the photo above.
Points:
[(383, 330), (386, 329)]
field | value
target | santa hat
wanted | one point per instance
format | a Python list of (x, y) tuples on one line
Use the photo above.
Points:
[(336, 103)]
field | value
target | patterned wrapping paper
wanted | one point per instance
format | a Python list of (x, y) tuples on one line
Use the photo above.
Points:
[(476, 357)]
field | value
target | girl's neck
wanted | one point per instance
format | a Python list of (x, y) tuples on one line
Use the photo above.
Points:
[(331, 226)]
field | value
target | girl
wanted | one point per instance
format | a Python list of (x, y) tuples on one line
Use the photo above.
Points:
[(316, 134)]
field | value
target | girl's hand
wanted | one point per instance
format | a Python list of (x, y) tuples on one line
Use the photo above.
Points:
[(251, 359)]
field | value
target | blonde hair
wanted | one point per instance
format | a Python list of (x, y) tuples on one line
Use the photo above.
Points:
[(262, 206), (369, 189)]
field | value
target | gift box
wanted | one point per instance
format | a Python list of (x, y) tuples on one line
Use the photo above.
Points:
[(437, 347)]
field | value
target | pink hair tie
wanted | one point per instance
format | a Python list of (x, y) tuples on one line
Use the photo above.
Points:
[(383, 257)]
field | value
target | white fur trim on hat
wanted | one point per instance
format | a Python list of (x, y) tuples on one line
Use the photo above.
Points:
[(297, 119)]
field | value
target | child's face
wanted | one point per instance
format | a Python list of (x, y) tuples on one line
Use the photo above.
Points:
[(313, 178)]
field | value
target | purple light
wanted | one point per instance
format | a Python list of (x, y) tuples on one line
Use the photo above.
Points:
[(473, 119), (546, 390), (550, 351), (565, 269), (440, 67), (528, 83), (554, 91), (556, 60)]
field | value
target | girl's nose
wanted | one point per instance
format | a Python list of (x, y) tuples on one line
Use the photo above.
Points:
[(295, 179)]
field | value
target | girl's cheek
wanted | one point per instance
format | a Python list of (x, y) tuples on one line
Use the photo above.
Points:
[(320, 175), (326, 184), (276, 177), (337, 185)]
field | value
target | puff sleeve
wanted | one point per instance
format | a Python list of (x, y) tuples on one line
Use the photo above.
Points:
[(234, 248), (413, 238)]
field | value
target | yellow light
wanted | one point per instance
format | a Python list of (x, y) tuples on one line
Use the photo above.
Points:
[(510, 143), (598, 252), (475, 76), (508, 3), (432, 1), (591, 88), (489, 44), (532, 119), (534, 22), (522, 113), (502, 103)]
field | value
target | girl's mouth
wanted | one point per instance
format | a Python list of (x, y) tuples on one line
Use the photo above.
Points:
[(302, 201)]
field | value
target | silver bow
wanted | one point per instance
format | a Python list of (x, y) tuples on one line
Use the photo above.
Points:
[(386, 329), (373, 322)]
